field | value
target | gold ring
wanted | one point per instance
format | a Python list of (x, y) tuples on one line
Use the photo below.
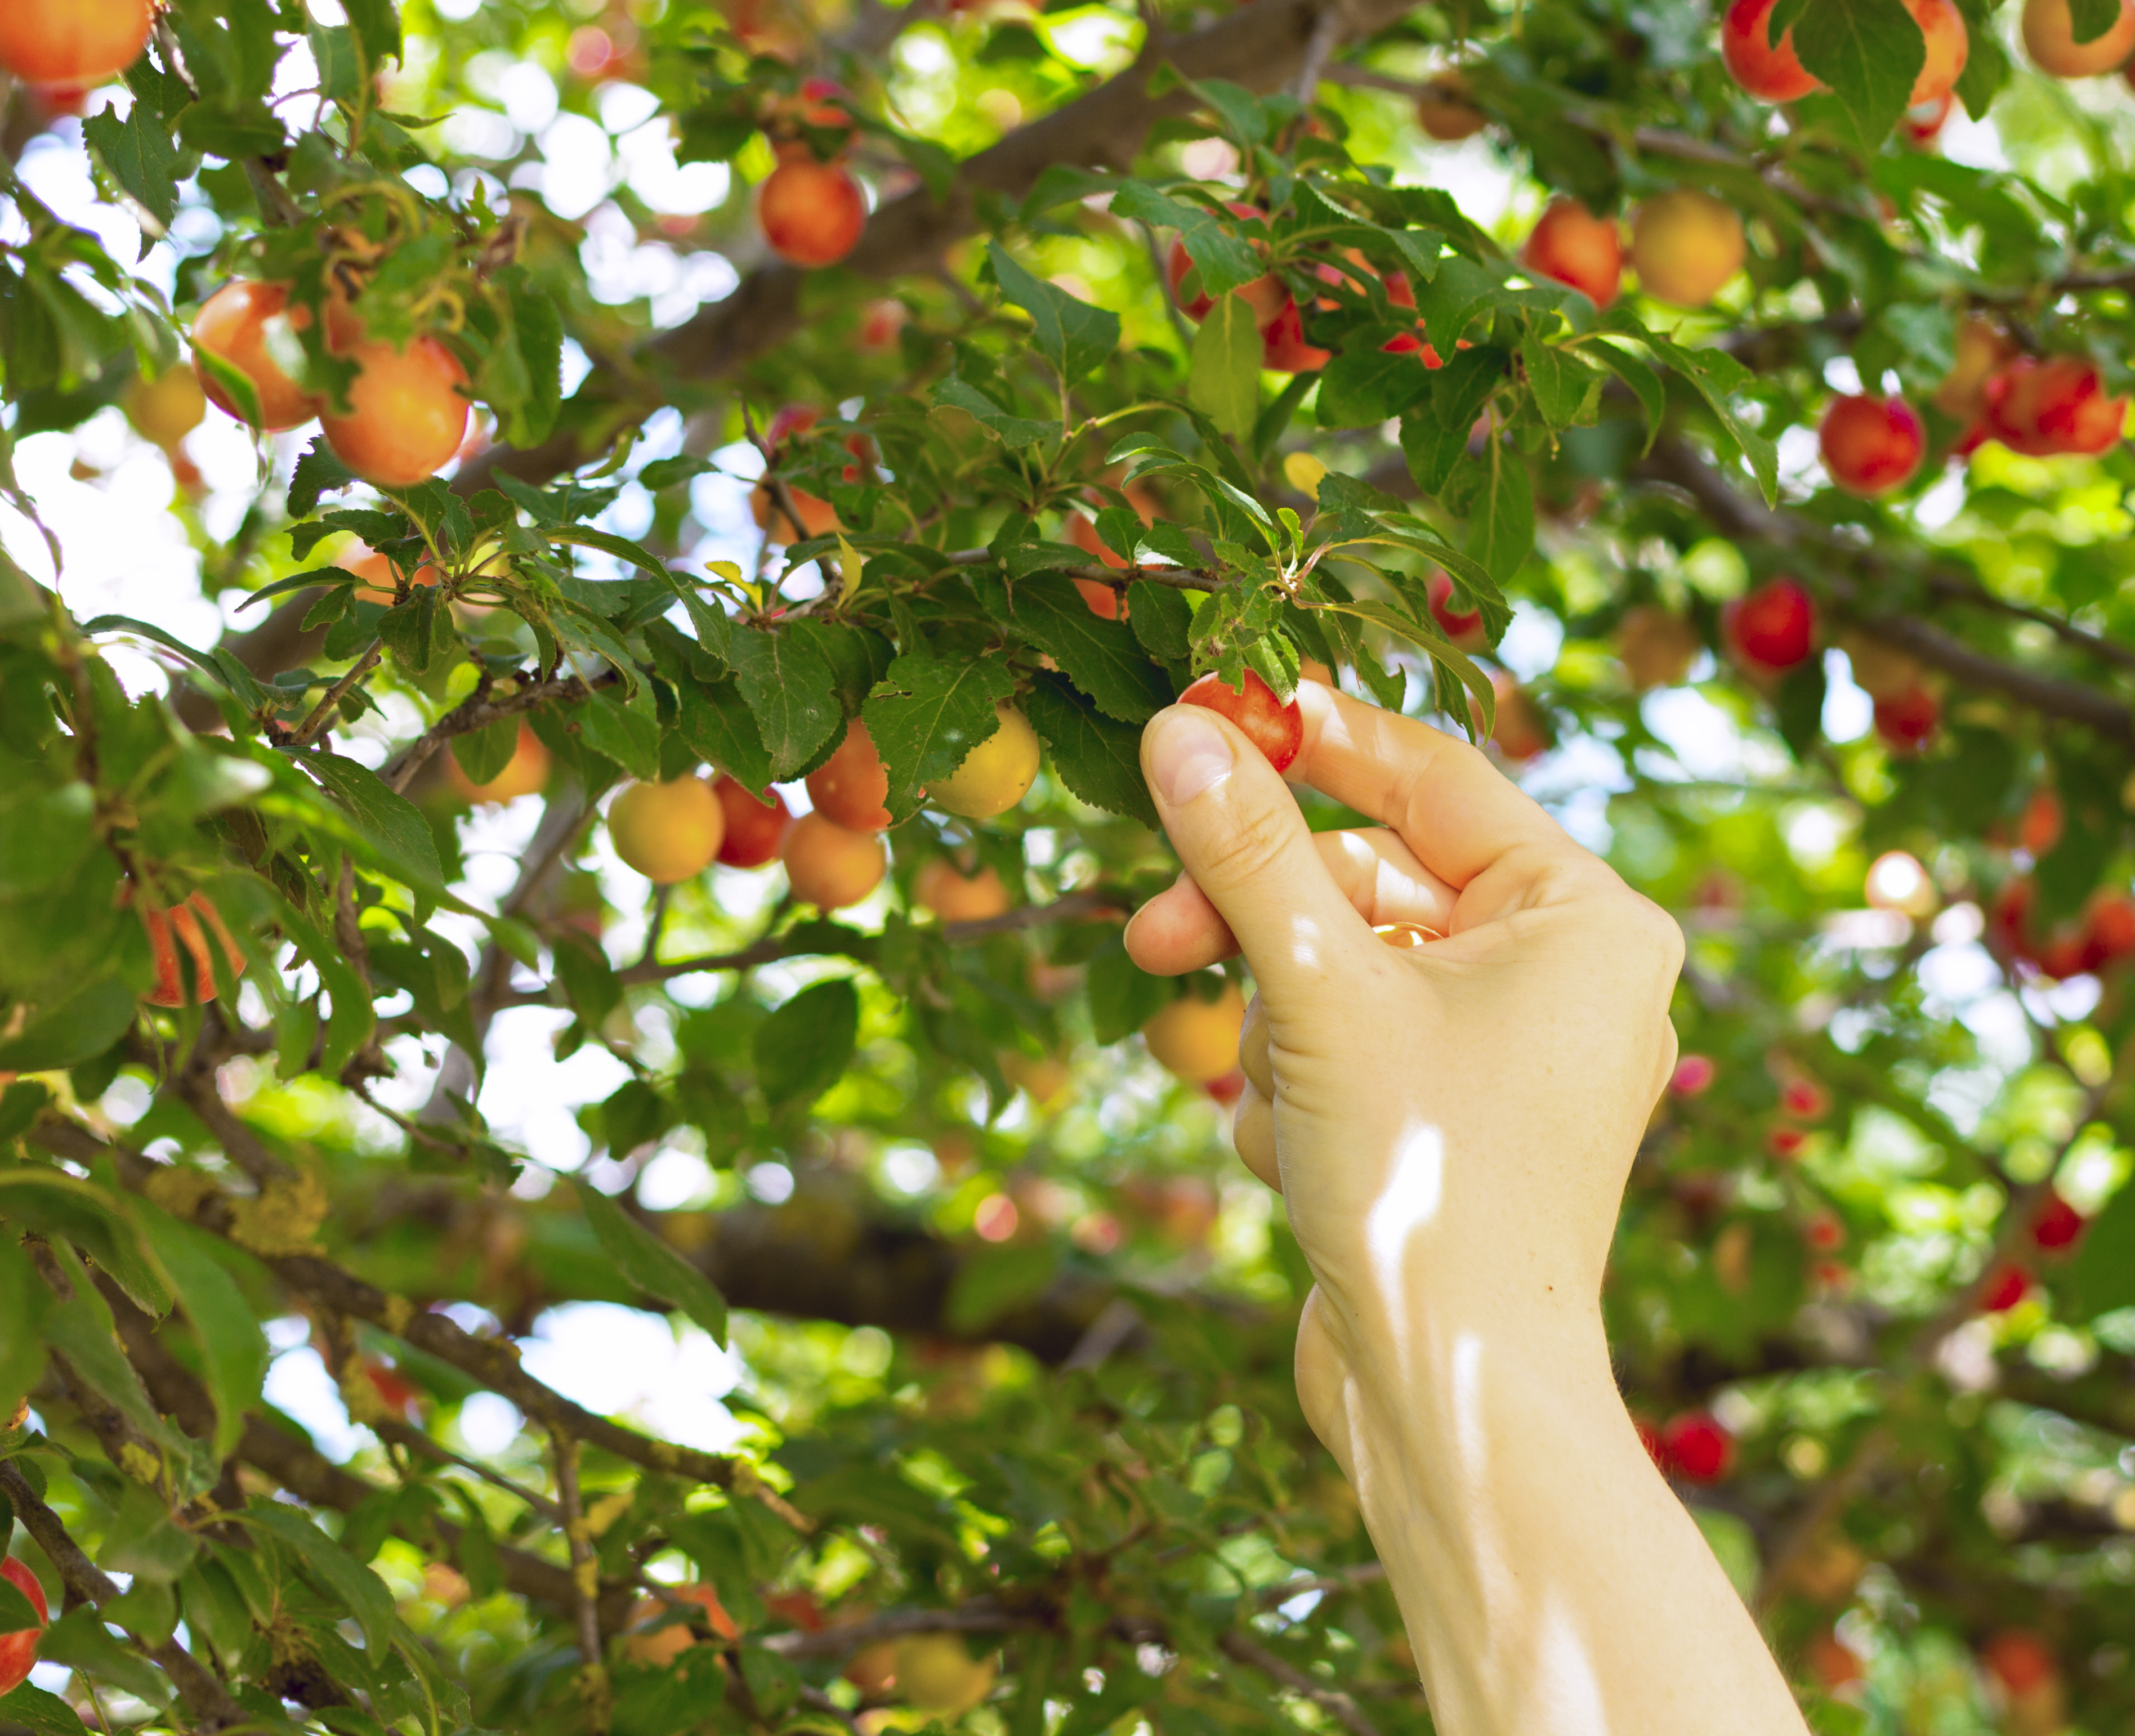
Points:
[(1406, 934)]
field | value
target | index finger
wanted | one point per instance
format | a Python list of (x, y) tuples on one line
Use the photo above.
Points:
[(1450, 803)]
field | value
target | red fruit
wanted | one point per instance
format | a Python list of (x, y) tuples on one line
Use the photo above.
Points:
[(72, 41), (1575, 248), (1696, 1448), (1804, 1099), (800, 1608), (756, 824), (1923, 122), (181, 927), (394, 1388), (811, 213), (1283, 347), (1825, 1232), (1785, 1143), (1277, 730), (2009, 922), (1871, 445), (2064, 956), (1228, 1089), (2044, 407), (2057, 1224), (1462, 627), (1773, 627), (2005, 1286), (230, 326), (2020, 1660), (1264, 295), (849, 788), (2040, 829), (2109, 928), (1771, 73), (1907, 722), (18, 1651), (1403, 343), (1832, 1663), (1693, 1075)]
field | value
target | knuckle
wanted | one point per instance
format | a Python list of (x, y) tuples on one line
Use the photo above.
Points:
[(1250, 844)]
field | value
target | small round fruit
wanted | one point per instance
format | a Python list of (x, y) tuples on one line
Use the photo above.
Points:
[(1685, 245), (668, 831), (939, 1677), (18, 1651), (1981, 349), (1907, 722), (1276, 729), (756, 824), (407, 413), (1658, 648), (830, 867), (2050, 40), (1773, 627), (1871, 446), (850, 787), (1572, 246), (818, 516), (165, 410), (996, 775), (1697, 1447), (188, 924), (72, 41), (1196, 1040), (2006, 1285), (1462, 627), (1771, 72), (955, 897), (662, 1647), (525, 772), (1284, 349), (2044, 407), (230, 326), (811, 213), (1447, 111), (2057, 1225), (1948, 46)]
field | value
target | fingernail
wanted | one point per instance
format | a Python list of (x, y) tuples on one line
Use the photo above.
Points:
[(1187, 755)]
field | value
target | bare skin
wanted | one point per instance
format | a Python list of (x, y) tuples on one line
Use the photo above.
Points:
[(1451, 1127)]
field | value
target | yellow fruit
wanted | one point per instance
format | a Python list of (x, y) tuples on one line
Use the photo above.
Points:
[(668, 831), (958, 897), (168, 409), (996, 775), (830, 867), (1685, 245), (1196, 1040), (939, 1677)]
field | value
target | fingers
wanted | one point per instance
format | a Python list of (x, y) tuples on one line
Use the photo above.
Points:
[(1453, 809), (1179, 930), (1253, 1131), (1242, 839)]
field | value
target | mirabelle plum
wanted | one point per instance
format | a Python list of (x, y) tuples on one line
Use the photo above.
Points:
[(941, 887), (756, 824), (231, 328), (1871, 446), (1948, 46), (2043, 407), (1284, 349), (1277, 730), (996, 775), (2050, 40), (407, 412), (811, 213), (1196, 1040), (1771, 72), (1774, 628), (165, 410), (818, 516), (1907, 722), (526, 772), (850, 787), (668, 831), (18, 1651), (72, 42), (1697, 1447), (1447, 111), (1685, 245), (1101, 598), (182, 926), (1572, 246), (830, 867), (939, 1677)]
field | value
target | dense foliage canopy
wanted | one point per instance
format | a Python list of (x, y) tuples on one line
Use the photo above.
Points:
[(944, 387)]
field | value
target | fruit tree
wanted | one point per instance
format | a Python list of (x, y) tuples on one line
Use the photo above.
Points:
[(582, 580)]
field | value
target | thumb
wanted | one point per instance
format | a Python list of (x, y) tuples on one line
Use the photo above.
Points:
[(1238, 832)]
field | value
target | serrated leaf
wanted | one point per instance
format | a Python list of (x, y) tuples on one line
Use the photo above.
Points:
[(361, 1591), (1224, 377), (714, 719), (391, 824), (1098, 759), (1072, 335), (1501, 523), (791, 692), (136, 152), (1363, 387), (1870, 53), (802, 1049), (1102, 658), (926, 714), (1222, 261), (1559, 379), (653, 1266), (1434, 435), (234, 1350), (65, 1207), (44, 1714), (1013, 431)]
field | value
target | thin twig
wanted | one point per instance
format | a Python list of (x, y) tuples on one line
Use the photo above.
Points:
[(320, 713), (1344, 1710), (585, 1578)]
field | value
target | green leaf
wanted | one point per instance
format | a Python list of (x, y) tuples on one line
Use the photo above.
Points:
[(1072, 335), (484, 753), (1160, 617), (991, 1282), (625, 734), (1434, 435), (1869, 52), (1223, 378), (802, 1049), (79, 1028), (653, 1266), (1645, 385), (1362, 387), (80, 1330), (1123, 996), (65, 1207), (926, 714), (2101, 1277), (1560, 380), (1222, 261), (25, 1300), (1014, 431), (716, 722), (234, 1352), (391, 824), (33, 1710), (17, 1614), (1717, 375), (791, 692), (136, 152), (1501, 525), (81, 1642), (1103, 658), (360, 1591), (1099, 760)]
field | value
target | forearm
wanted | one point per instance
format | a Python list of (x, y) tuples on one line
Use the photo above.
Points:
[(1551, 1583)]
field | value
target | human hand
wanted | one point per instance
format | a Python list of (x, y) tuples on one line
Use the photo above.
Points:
[(1452, 1125)]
